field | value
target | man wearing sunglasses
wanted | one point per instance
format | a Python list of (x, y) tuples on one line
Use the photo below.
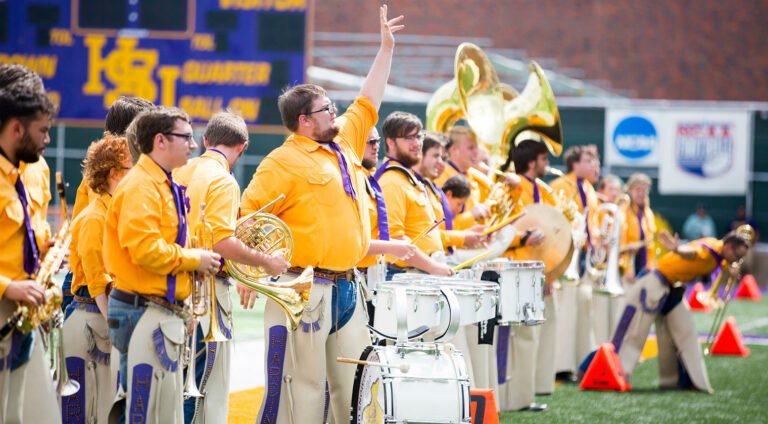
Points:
[(319, 171)]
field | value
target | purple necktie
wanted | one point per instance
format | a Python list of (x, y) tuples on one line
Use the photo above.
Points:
[(381, 208), (31, 252), (536, 194), (584, 207), (346, 180), (181, 201), (641, 259)]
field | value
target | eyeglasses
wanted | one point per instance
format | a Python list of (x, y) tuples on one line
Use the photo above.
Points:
[(419, 136), (189, 138), (331, 109), (374, 141)]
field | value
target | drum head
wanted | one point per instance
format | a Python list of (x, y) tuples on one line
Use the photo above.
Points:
[(557, 236), (368, 391)]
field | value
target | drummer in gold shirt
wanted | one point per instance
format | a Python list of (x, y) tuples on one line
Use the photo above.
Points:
[(409, 208)]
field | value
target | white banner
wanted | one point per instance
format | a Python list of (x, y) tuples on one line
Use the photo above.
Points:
[(632, 137), (704, 152)]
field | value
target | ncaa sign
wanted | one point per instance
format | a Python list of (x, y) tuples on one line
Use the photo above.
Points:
[(704, 149), (631, 138)]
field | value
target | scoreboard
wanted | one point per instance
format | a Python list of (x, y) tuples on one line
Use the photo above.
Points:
[(200, 55)]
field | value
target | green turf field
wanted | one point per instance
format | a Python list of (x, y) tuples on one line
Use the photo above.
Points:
[(741, 388)]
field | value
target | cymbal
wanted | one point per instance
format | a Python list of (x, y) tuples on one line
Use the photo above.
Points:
[(559, 270), (557, 244)]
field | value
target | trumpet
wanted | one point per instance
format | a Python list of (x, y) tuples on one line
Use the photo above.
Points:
[(203, 302)]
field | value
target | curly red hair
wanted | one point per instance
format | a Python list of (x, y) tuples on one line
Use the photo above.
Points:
[(111, 152)]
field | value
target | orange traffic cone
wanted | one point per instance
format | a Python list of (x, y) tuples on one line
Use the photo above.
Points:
[(748, 289), (729, 340), (482, 406), (693, 302), (605, 372)]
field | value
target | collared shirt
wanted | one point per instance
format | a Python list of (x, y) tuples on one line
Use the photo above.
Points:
[(569, 185), (86, 259), (330, 229), (208, 181), (140, 233), (83, 198), (449, 238), (676, 268), (373, 212), (12, 217), (465, 219), (409, 209), (631, 234), (37, 182)]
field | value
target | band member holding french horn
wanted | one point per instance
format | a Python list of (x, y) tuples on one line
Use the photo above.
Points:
[(214, 199), (86, 339), (319, 171), (24, 124), (145, 239)]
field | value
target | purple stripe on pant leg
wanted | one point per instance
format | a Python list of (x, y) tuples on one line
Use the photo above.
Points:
[(140, 386), (327, 402), (73, 407), (502, 351), (621, 329), (275, 360)]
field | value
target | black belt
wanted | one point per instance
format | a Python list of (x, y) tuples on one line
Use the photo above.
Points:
[(84, 300), (142, 301), (327, 274)]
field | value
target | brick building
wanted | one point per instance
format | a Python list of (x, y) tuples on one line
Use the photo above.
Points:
[(674, 49)]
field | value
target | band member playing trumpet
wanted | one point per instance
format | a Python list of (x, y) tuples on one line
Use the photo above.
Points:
[(408, 204), (209, 181), (25, 118), (86, 340), (318, 170), (575, 336), (144, 248), (639, 229), (659, 296)]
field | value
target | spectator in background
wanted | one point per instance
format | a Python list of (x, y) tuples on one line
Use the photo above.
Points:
[(741, 219), (699, 225)]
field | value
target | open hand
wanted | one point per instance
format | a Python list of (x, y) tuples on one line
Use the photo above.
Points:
[(389, 27)]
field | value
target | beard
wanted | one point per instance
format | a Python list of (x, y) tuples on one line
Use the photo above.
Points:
[(368, 164), (327, 135), (406, 160), (27, 151)]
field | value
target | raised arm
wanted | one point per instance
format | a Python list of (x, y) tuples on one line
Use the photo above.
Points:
[(376, 81)]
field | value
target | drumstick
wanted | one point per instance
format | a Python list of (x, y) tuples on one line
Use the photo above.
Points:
[(426, 231), (472, 260), (404, 368), (504, 223)]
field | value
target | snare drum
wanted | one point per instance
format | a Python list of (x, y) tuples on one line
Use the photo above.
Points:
[(423, 307), (434, 390), (477, 299), (522, 290)]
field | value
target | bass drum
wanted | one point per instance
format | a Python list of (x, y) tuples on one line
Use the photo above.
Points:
[(434, 390)]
